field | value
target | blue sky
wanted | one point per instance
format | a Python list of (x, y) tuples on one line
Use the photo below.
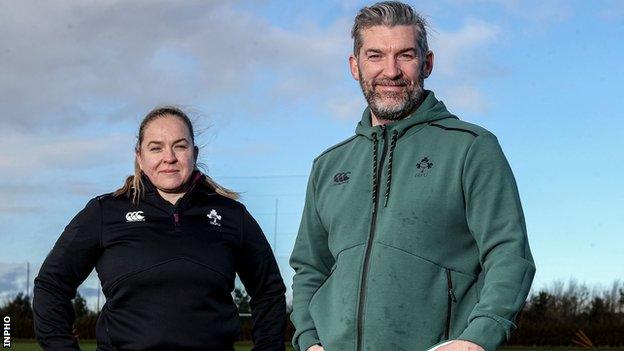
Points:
[(269, 87)]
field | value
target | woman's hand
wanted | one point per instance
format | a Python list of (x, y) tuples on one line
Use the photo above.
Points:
[(315, 348), (460, 345)]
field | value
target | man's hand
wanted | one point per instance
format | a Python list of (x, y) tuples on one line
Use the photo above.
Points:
[(315, 348), (460, 345)]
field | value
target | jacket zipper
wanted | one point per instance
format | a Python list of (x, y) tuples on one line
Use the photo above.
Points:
[(110, 341), (179, 203), (176, 216), (371, 235), (450, 300)]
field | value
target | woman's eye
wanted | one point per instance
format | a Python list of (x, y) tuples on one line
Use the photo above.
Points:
[(154, 149), (181, 147)]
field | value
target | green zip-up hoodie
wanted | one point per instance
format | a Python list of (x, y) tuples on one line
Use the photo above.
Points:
[(412, 234)]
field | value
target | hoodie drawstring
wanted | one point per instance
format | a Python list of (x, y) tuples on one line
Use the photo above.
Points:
[(375, 142), (395, 136)]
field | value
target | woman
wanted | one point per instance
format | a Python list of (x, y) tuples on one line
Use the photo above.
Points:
[(166, 247)]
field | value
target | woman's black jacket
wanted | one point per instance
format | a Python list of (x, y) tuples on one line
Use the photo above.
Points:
[(167, 272)]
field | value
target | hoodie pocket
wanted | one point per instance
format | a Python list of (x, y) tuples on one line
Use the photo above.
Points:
[(332, 307), (181, 303), (462, 291), (406, 301), (102, 333), (323, 284)]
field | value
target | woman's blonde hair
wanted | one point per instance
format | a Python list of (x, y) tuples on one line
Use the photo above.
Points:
[(133, 186)]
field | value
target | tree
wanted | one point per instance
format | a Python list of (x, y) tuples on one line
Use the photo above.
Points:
[(20, 311), (542, 305), (80, 306)]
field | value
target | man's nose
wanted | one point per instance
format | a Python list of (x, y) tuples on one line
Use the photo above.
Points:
[(391, 68)]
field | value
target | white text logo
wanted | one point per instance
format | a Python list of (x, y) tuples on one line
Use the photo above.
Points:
[(6, 332), (214, 216), (135, 216)]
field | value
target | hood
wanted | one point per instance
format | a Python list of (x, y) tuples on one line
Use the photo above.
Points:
[(431, 109)]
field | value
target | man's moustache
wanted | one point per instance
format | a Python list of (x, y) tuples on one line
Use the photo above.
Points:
[(390, 82)]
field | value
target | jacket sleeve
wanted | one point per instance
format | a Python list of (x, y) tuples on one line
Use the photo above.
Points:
[(68, 264), (496, 221), (260, 275), (312, 262)]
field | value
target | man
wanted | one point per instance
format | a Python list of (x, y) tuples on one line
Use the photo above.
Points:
[(412, 234)]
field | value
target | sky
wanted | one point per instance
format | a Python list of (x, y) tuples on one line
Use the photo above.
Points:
[(268, 86)]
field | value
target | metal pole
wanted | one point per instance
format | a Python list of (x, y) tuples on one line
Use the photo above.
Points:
[(28, 280), (98, 297), (275, 229)]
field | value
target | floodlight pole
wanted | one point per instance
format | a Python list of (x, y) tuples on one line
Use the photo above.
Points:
[(28, 280), (275, 228)]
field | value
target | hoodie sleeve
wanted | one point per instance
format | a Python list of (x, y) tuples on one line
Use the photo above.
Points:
[(496, 221), (312, 262), (68, 264), (261, 277)]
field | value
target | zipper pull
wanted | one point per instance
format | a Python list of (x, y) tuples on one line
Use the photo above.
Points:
[(452, 294), (449, 281), (176, 216)]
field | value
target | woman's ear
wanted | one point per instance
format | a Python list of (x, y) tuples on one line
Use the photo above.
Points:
[(139, 161)]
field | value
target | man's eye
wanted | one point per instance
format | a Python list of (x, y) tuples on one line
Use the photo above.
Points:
[(181, 147), (374, 57), (406, 56), (154, 149)]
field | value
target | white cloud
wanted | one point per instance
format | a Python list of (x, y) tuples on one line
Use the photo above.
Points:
[(347, 107), (67, 64), (460, 53), (462, 62), (20, 209), (540, 12), (22, 153), (466, 98), (13, 279), (536, 11), (68, 61)]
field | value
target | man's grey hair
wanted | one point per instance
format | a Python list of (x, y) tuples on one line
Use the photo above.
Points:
[(389, 13)]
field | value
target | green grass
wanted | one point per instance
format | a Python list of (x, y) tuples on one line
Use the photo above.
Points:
[(89, 345)]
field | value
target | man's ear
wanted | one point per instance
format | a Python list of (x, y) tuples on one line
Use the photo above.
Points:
[(428, 64), (353, 64)]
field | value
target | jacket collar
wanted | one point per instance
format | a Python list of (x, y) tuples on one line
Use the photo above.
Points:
[(431, 109), (197, 183)]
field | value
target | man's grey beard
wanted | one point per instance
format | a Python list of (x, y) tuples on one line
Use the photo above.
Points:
[(410, 99)]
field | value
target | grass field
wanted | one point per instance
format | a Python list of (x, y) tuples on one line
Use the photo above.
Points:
[(89, 345)]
